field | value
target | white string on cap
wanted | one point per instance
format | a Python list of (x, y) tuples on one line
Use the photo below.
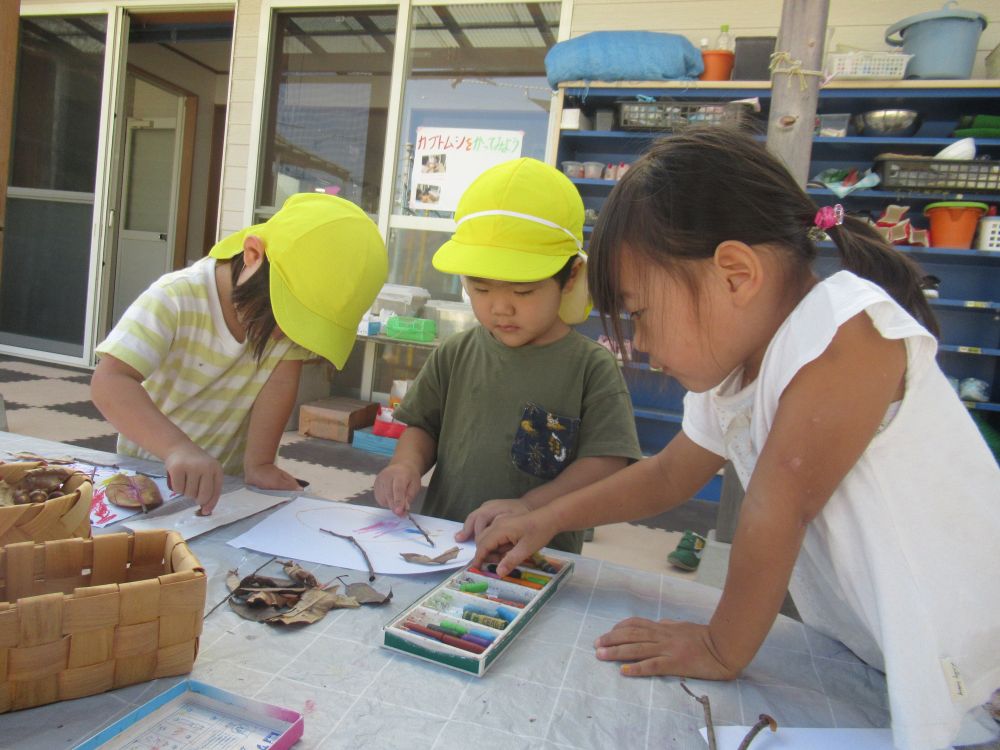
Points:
[(527, 217)]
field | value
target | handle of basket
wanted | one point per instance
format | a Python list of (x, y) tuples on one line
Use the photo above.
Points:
[(900, 25)]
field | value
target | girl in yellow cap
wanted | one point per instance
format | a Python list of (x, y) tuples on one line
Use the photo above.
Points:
[(203, 368), (869, 491)]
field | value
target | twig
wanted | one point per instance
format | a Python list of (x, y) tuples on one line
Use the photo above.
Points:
[(352, 540), (763, 721), (233, 592), (420, 529), (707, 707)]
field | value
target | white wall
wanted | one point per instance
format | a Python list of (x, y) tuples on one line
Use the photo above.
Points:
[(235, 190), (857, 23)]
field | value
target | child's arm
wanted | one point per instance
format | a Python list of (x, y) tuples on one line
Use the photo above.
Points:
[(268, 418), (644, 489), (399, 482), (581, 473), (116, 389), (825, 420)]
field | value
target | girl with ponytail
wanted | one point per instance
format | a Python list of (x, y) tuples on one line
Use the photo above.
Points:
[(870, 493)]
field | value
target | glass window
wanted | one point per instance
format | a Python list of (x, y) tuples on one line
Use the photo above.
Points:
[(57, 106), (327, 105), (471, 66)]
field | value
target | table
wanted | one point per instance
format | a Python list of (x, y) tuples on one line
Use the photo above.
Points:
[(547, 691)]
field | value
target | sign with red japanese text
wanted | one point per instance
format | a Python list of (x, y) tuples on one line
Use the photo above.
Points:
[(447, 160)]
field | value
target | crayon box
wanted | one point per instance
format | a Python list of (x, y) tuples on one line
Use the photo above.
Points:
[(470, 618)]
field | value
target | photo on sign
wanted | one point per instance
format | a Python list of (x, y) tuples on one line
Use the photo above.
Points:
[(433, 163), (428, 193)]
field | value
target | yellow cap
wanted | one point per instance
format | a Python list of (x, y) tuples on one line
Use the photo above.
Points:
[(328, 262), (518, 221)]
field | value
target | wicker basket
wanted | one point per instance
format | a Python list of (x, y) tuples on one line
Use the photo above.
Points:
[(671, 115), (82, 616), (57, 518), (927, 174)]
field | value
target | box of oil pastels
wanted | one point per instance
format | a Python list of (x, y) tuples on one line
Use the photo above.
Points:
[(467, 621)]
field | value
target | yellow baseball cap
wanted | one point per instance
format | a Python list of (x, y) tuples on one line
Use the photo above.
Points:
[(328, 262), (518, 221)]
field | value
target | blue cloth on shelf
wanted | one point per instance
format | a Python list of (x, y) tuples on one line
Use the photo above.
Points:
[(623, 56)]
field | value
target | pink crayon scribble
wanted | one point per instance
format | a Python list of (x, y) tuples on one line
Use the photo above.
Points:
[(99, 510), (379, 528)]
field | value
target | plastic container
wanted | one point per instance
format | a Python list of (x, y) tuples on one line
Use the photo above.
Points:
[(593, 170), (833, 125), (572, 169), (989, 234), (943, 42), (862, 65), (718, 64), (953, 223), (450, 317), (400, 299), (753, 58), (410, 329)]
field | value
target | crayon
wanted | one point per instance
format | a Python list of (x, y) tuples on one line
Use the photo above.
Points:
[(543, 563), (474, 588), (444, 637), (493, 622), (519, 582), (535, 578)]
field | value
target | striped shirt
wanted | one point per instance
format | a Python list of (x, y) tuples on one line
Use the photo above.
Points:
[(197, 374)]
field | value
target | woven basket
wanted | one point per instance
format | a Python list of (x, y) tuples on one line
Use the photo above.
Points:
[(82, 616), (58, 518)]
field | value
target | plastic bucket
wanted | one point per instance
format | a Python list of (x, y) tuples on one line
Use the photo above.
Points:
[(718, 64), (953, 223), (943, 42)]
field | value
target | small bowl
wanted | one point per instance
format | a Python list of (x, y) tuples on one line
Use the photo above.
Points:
[(961, 150), (887, 122)]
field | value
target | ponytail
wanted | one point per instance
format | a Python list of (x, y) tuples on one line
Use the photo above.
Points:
[(864, 252)]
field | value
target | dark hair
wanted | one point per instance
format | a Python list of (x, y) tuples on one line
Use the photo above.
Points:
[(562, 275), (252, 300), (692, 191)]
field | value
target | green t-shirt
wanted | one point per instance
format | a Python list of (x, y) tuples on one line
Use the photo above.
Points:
[(507, 420)]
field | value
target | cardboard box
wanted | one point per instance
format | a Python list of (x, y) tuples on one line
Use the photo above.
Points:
[(335, 418)]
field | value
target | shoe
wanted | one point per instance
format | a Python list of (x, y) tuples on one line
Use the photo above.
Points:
[(687, 555), (974, 389), (930, 286)]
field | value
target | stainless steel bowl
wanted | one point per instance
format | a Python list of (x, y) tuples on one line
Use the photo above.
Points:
[(887, 122)]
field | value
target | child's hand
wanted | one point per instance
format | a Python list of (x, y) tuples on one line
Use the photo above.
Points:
[(270, 477), (194, 473), (516, 537), (396, 486), (667, 647), (487, 513)]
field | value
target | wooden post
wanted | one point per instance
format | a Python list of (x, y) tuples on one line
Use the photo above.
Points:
[(794, 94), (10, 13)]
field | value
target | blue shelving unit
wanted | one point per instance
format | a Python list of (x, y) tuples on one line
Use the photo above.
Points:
[(969, 305)]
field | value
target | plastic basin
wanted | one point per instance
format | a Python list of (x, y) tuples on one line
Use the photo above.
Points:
[(943, 42)]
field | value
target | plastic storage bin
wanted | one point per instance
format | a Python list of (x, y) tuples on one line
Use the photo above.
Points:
[(572, 169), (593, 170), (450, 317), (401, 299), (943, 42), (410, 329), (989, 233), (861, 65)]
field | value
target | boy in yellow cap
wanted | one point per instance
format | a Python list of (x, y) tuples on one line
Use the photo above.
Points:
[(521, 408), (203, 369)]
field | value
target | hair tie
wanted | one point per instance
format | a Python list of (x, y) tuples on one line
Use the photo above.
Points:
[(829, 216)]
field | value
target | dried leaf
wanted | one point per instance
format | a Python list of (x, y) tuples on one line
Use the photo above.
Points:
[(365, 594), (266, 599), (297, 573), (441, 559), (312, 607), (244, 610), (133, 492)]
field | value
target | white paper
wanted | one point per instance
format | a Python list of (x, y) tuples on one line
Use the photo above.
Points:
[(104, 513), (794, 738), (294, 532), (231, 507)]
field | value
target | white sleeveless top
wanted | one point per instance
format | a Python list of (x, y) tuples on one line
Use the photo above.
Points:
[(902, 565)]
